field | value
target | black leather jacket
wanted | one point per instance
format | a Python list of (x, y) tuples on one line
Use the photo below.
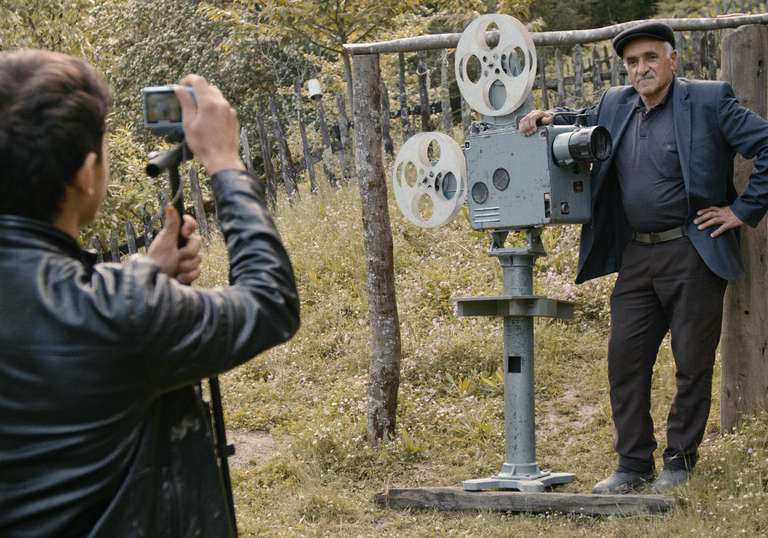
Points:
[(101, 433)]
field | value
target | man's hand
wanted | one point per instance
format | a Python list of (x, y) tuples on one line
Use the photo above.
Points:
[(712, 216), (183, 264), (532, 120), (210, 126)]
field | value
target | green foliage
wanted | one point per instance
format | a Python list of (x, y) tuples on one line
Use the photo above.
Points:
[(57, 25), (332, 24), (582, 14), (455, 15)]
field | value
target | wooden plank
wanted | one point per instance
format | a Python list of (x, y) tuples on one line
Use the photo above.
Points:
[(597, 71), (466, 117), (266, 158), (615, 69), (515, 501), (711, 55), (560, 78), (345, 157), (389, 145), (578, 71), (308, 161), (114, 247), (423, 75), (96, 244), (696, 60), (325, 137), (445, 94), (199, 206), (544, 92), (246, 149), (404, 117), (146, 220), (130, 238), (744, 345), (679, 44), (286, 162)]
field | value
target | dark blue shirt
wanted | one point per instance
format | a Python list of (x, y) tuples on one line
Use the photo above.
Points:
[(648, 167)]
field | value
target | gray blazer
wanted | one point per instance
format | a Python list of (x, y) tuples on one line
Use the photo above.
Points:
[(711, 127)]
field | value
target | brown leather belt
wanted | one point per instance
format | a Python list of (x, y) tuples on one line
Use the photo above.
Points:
[(660, 237)]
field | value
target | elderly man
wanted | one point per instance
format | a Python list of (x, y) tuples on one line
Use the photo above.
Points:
[(665, 214)]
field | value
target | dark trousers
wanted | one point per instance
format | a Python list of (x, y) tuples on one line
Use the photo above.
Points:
[(662, 287)]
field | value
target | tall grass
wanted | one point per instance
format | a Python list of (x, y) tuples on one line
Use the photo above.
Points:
[(310, 394)]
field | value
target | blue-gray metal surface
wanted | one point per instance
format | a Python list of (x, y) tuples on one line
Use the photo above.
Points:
[(518, 306), (513, 182)]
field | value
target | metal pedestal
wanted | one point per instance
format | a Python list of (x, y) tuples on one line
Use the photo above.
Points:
[(518, 306)]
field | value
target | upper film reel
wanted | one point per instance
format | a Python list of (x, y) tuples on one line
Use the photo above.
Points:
[(430, 165), (495, 81)]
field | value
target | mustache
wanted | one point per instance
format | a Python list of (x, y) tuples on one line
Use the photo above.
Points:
[(649, 75)]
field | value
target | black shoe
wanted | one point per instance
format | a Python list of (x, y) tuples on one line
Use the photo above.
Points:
[(620, 482), (670, 478)]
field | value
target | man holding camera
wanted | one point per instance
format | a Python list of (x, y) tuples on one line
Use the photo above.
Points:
[(102, 432), (665, 214)]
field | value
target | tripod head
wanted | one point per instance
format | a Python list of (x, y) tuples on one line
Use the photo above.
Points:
[(159, 161)]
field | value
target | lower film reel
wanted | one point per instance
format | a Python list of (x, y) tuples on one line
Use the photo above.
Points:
[(495, 81), (430, 179)]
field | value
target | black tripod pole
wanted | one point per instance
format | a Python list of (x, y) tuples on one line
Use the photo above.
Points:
[(170, 160)]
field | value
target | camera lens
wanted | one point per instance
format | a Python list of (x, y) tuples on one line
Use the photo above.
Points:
[(586, 145)]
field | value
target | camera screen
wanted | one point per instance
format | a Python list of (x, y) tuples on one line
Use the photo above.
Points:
[(163, 107)]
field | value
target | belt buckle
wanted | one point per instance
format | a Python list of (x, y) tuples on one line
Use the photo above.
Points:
[(655, 238)]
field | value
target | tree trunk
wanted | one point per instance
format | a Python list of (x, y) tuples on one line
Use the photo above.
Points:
[(744, 345), (377, 237)]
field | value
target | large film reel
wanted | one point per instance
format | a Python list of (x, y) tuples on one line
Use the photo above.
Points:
[(431, 165), (495, 81)]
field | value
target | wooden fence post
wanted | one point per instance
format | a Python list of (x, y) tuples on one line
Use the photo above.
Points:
[(560, 78), (578, 72), (597, 71), (197, 201), (377, 238), (146, 221), (246, 149), (114, 248), (389, 145), (345, 159), (97, 247), (445, 95), (325, 136), (423, 73), (266, 158), (404, 117), (466, 117), (543, 78), (744, 345), (303, 131), (286, 163), (130, 238), (696, 47)]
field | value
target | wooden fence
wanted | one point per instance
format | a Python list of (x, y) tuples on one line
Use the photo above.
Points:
[(577, 78)]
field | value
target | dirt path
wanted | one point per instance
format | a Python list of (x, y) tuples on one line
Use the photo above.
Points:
[(257, 446)]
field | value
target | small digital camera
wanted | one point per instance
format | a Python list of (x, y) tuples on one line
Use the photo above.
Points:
[(162, 110)]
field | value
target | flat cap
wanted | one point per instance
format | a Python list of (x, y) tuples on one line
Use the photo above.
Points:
[(652, 29)]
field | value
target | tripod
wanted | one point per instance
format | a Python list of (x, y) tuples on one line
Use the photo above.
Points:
[(170, 161)]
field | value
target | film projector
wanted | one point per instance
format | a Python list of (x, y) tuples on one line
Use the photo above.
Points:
[(509, 182)]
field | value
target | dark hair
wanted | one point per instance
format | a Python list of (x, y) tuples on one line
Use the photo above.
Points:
[(53, 109)]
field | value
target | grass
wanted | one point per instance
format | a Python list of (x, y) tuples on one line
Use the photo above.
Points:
[(310, 394)]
